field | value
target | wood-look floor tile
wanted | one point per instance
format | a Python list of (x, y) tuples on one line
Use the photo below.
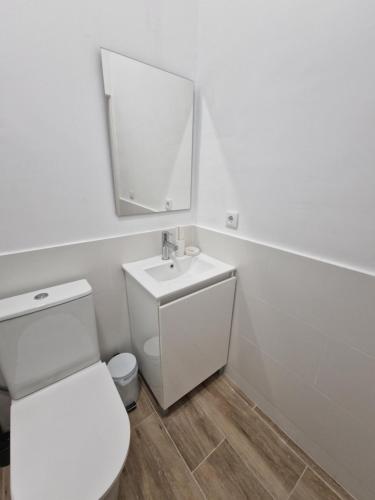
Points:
[(151, 398), (144, 408), (223, 475), (339, 490), (5, 483), (237, 390), (275, 465), (154, 469), (228, 390), (193, 432), (311, 487)]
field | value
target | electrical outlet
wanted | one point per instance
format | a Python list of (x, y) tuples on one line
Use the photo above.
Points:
[(231, 219)]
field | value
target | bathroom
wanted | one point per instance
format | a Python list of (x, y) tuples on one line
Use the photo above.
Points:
[(245, 290)]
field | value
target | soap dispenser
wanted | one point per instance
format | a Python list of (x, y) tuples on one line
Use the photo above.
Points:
[(180, 242)]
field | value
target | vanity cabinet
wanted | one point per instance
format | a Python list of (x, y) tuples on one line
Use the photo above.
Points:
[(181, 342)]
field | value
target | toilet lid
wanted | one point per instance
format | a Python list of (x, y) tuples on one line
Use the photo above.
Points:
[(70, 439)]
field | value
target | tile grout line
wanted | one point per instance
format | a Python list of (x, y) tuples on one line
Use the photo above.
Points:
[(235, 388), (182, 458), (335, 491), (297, 483), (339, 406), (155, 413), (143, 421), (150, 398), (338, 494), (253, 407), (302, 459), (227, 437), (238, 393), (153, 410), (134, 426), (248, 468), (211, 452), (278, 435)]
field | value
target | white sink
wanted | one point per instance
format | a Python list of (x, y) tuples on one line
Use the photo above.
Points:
[(177, 276), (179, 267)]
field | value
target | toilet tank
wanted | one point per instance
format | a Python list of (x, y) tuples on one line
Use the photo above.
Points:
[(46, 336)]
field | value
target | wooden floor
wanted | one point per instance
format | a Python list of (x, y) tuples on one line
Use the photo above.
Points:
[(4, 484), (214, 444)]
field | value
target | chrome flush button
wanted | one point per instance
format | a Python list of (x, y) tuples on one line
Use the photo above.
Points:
[(41, 296)]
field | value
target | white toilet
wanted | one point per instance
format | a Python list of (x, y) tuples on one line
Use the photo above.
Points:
[(70, 432)]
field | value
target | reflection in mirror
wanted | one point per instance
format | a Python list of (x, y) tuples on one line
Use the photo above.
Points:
[(150, 116)]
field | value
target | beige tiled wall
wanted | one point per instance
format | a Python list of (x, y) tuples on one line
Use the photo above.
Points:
[(99, 262), (303, 346), (303, 336)]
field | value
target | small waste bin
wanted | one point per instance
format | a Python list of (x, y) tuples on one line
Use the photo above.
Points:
[(124, 371)]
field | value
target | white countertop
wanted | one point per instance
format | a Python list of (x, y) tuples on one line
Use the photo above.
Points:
[(186, 273)]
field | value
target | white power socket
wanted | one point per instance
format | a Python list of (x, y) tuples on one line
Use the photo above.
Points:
[(231, 219)]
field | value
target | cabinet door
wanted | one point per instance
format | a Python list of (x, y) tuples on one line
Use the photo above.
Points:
[(194, 338)]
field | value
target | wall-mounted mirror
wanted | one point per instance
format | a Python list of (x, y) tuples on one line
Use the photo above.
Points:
[(150, 116)]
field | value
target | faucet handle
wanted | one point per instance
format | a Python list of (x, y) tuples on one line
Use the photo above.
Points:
[(166, 235)]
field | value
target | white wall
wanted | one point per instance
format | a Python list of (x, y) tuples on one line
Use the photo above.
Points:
[(287, 138), (288, 123), (56, 181)]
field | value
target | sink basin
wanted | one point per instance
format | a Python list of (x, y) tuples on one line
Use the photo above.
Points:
[(179, 267), (176, 277)]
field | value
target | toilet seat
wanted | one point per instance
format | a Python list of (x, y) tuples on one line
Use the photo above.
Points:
[(69, 441)]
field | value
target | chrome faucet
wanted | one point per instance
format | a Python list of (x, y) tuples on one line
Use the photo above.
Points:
[(166, 245)]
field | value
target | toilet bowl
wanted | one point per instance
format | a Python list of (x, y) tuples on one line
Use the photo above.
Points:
[(69, 440), (70, 432)]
